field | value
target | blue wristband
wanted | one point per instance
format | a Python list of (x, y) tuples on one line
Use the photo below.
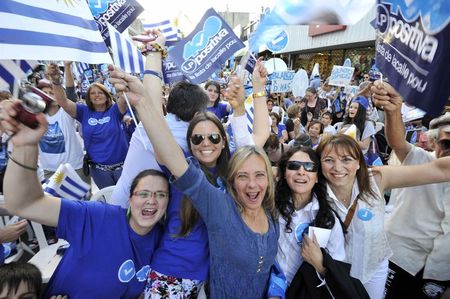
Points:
[(153, 73)]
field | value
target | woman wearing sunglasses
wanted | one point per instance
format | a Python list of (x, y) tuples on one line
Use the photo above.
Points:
[(302, 202), (356, 194), (242, 232), (110, 249)]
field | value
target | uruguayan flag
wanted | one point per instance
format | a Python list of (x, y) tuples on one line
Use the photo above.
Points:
[(50, 30), (79, 68), (167, 29), (126, 55), (66, 183), (12, 71)]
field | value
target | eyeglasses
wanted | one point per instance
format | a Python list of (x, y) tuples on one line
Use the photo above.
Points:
[(196, 139), (144, 194), (308, 166), (444, 144)]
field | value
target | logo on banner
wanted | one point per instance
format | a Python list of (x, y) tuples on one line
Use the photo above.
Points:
[(205, 50), (412, 48), (279, 42)]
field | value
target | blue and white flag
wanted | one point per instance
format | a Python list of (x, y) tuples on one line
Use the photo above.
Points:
[(412, 50), (12, 71), (66, 183), (166, 27), (208, 47), (126, 55), (79, 68), (50, 30), (288, 12)]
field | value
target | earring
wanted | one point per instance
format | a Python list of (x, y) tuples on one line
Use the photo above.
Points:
[(129, 212)]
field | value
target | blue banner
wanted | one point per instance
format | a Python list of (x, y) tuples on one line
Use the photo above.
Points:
[(205, 50), (119, 13), (171, 72), (412, 50)]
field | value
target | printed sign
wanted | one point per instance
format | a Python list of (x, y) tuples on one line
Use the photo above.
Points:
[(281, 81), (208, 47), (171, 73), (119, 13), (412, 50), (279, 42), (341, 75)]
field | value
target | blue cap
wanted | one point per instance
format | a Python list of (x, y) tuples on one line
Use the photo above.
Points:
[(363, 101)]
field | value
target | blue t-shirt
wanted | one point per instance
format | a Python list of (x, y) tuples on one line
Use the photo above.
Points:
[(103, 134), (220, 111), (281, 128), (240, 259), (106, 258)]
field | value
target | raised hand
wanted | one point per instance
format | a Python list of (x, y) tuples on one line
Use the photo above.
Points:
[(259, 76), (236, 95), (124, 82), (53, 72), (386, 97), (21, 134)]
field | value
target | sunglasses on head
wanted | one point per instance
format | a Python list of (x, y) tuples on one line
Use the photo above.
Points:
[(196, 139), (308, 166)]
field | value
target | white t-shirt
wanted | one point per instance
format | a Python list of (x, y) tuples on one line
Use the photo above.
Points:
[(418, 228), (61, 143), (289, 257)]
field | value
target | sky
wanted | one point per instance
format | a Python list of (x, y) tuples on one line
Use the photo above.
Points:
[(189, 13)]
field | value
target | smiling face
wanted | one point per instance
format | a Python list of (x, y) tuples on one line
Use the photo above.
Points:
[(353, 109), (301, 181), (207, 152), (251, 182), (338, 166), (97, 97), (148, 203), (213, 93)]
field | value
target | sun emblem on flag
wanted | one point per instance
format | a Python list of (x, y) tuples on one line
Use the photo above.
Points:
[(59, 176), (71, 2)]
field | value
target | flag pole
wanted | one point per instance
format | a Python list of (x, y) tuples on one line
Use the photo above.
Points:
[(134, 119)]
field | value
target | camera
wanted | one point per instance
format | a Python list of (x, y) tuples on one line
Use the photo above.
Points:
[(33, 101)]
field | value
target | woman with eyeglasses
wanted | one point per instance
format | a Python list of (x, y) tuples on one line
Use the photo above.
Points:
[(302, 202), (220, 109), (356, 194), (110, 248), (242, 232)]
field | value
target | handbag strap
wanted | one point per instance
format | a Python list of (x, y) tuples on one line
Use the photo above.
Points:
[(350, 214)]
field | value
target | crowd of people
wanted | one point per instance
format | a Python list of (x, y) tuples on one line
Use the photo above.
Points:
[(203, 207)]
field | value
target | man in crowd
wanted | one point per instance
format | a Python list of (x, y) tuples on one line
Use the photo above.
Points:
[(418, 228)]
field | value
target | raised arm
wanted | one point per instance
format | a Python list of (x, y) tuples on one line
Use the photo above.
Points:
[(147, 102), (387, 98), (261, 125), (437, 171), (60, 95), (70, 83), (23, 192)]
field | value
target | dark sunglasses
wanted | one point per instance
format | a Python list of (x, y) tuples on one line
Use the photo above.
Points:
[(308, 166), (196, 139), (444, 144)]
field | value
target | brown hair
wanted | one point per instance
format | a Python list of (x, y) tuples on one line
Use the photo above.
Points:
[(293, 111), (109, 99), (344, 143)]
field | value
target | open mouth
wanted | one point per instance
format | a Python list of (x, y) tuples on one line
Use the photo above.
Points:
[(253, 196), (149, 212)]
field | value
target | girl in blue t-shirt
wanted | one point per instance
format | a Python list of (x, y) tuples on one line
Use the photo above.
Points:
[(220, 109), (109, 246)]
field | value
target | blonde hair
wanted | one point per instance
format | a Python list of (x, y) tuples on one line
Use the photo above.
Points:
[(238, 158)]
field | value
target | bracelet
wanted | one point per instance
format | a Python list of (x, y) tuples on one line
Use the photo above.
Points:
[(154, 47), (153, 73), (22, 165), (259, 94)]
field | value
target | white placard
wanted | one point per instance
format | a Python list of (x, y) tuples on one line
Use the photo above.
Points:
[(281, 81), (341, 75)]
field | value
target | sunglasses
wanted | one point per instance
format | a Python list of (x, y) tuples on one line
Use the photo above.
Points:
[(444, 144), (215, 138), (308, 166)]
